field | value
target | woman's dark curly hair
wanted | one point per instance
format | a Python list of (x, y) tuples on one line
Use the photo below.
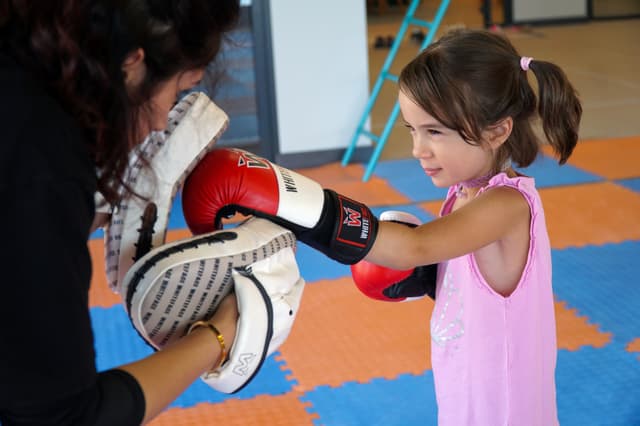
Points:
[(78, 46)]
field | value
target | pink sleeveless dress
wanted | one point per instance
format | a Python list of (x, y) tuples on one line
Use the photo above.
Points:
[(494, 357)]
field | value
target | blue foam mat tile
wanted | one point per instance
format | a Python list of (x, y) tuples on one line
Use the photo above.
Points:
[(316, 266), (602, 283), (633, 184), (403, 401), (176, 218), (547, 172), (598, 387), (117, 343), (406, 177)]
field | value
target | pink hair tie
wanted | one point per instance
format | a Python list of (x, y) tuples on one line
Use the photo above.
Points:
[(524, 63)]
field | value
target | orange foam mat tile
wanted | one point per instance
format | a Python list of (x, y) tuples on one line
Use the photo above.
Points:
[(333, 173), (574, 332), (340, 335), (280, 410), (634, 346), (432, 207), (100, 295), (611, 158), (597, 213), (178, 234), (347, 181)]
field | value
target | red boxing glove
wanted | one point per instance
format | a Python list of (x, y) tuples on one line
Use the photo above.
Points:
[(227, 181), (392, 285)]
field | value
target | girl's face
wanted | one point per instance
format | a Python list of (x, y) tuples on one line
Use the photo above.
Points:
[(443, 154)]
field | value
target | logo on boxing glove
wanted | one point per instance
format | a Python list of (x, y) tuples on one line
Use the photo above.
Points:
[(355, 223), (244, 362), (252, 161)]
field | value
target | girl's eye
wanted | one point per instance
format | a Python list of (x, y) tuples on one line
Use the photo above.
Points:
[(434, 132), (408, 127)]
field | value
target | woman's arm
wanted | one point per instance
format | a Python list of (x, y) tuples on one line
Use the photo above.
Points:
[(99, 220), (487, 218), (164, 375)]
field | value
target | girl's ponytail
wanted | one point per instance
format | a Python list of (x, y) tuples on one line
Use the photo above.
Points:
[(558, 107)]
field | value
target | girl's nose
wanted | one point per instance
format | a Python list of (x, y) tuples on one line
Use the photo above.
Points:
[(421, 150)]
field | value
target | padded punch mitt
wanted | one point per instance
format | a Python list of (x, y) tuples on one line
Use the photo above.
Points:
[(157, 169), (181, 282)]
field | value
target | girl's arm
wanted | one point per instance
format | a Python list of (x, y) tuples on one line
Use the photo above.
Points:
[(485, 219)]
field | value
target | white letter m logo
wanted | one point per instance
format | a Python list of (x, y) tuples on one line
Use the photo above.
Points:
[(242, 368)]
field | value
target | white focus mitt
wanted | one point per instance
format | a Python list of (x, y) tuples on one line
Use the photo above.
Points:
[(157, 169), (179, 283)]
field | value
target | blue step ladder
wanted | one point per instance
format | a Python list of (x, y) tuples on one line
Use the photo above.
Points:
[(409, 19)]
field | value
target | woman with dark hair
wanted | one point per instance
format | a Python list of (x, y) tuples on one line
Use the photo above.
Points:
[(82, 83)]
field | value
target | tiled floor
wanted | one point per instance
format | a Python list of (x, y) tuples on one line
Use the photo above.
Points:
[(351, 361)]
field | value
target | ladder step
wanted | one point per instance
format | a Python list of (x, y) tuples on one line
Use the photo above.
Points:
[(370, 135), (420, 22), (392, 77)]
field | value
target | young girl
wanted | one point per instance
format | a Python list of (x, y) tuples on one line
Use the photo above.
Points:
[(468, 105)]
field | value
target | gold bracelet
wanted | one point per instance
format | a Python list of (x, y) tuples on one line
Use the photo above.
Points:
[(219, 337)]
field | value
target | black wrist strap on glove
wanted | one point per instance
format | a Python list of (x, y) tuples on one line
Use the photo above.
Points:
[(346, 229), (421, 282)]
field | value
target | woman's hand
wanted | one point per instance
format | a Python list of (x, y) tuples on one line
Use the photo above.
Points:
[(166, 373), (225, 318)]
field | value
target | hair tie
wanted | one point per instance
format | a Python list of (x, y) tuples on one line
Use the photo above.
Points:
[(524, 63)]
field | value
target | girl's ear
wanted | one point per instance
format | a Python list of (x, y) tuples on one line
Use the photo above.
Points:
[(134, 68), (498, 133)]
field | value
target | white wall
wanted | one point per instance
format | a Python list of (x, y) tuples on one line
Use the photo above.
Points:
[(538, 10), (321, 72)]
